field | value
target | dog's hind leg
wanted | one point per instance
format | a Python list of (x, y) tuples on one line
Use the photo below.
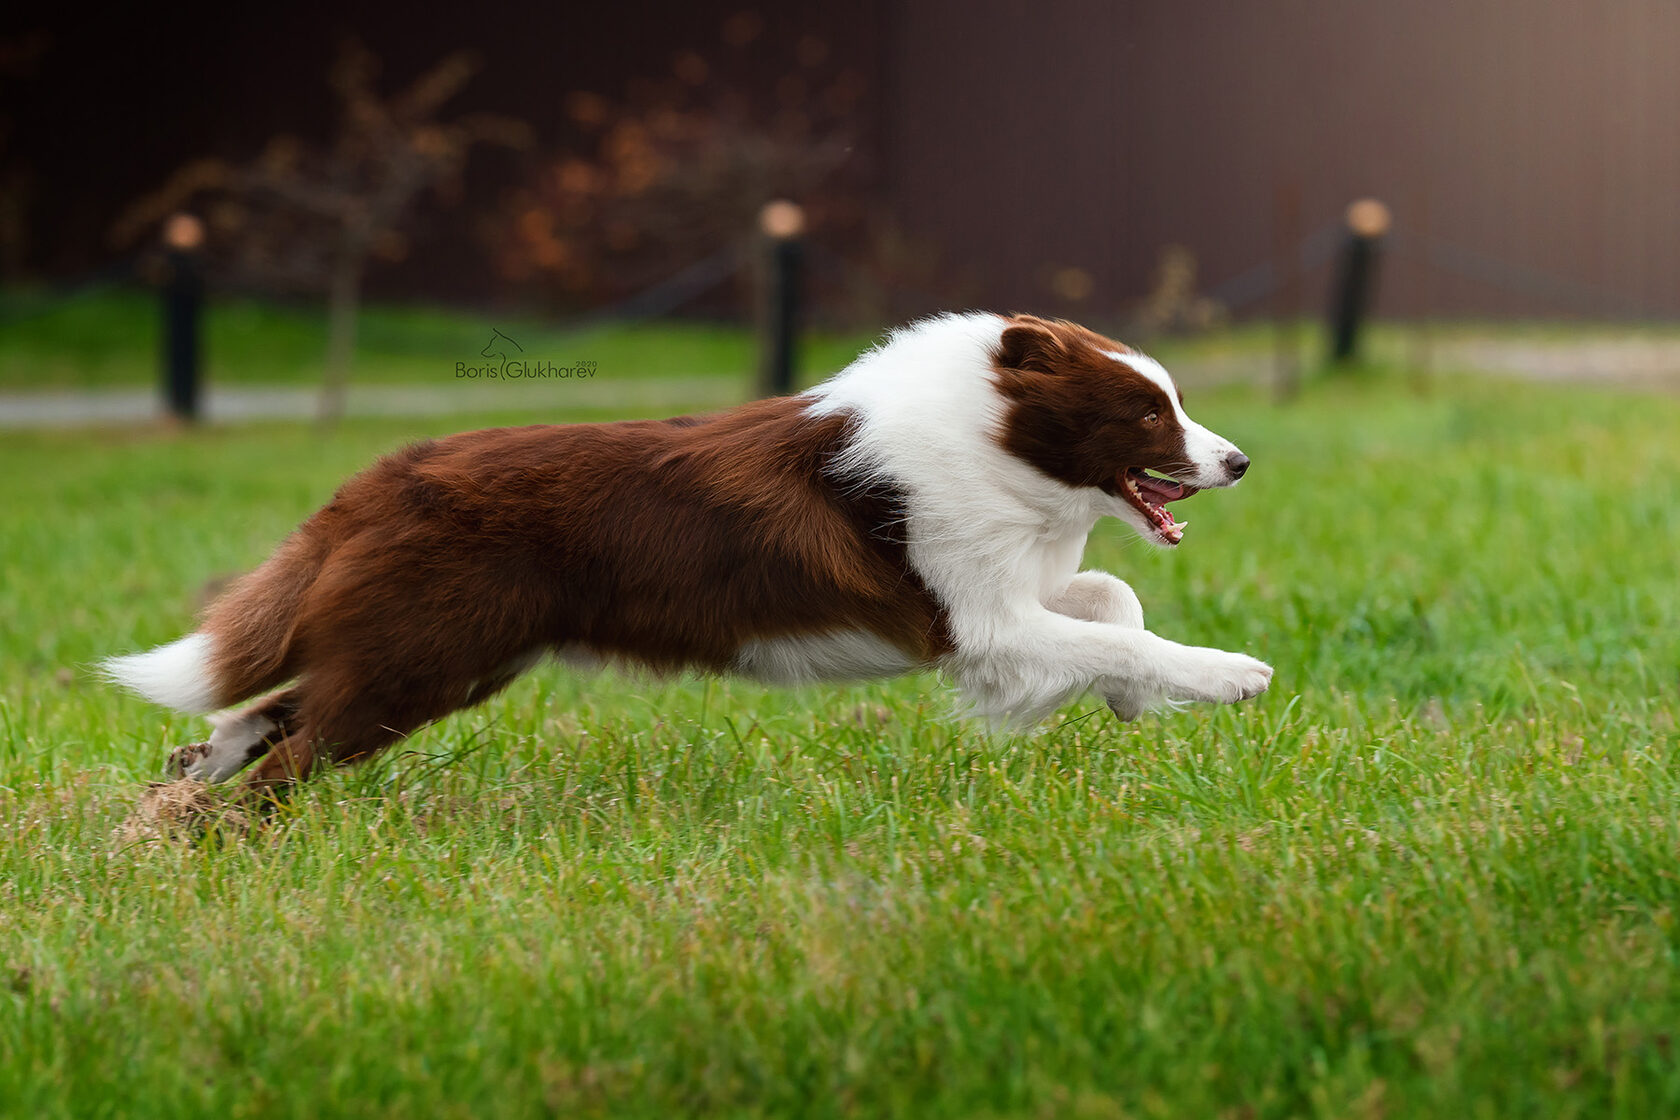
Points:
[(347, 717), (239, 738), (386, 650), (289, 762), (1100, 597), (342, 735)]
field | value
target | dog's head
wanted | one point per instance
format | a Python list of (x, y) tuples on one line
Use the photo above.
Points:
[(1089, 412)]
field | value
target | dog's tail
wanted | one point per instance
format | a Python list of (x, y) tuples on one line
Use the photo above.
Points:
[(244, 644)]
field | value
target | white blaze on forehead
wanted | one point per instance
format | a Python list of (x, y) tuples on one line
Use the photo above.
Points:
[(1206, 450), (1156, 372)]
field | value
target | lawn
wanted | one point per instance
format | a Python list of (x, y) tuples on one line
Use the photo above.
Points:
[(110, 338), (1433, 873)]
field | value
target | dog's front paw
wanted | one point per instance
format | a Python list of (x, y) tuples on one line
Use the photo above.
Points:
[(181, 759), (1217, 677), (1129, 698), (1127, 706)]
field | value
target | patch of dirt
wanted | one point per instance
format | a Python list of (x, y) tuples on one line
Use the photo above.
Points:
[(182, 811)]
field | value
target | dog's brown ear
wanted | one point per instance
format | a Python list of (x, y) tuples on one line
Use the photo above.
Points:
[(1032, 343)]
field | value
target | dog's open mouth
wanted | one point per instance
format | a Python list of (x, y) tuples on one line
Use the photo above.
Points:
[(1150, 494)]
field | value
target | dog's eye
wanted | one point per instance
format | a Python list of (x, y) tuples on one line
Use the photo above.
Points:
[(1152, 418)]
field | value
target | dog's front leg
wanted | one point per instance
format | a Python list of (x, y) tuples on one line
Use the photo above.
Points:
[(1100, 597), (1030, 665)]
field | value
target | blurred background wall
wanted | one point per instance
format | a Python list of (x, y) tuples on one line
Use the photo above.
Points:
[(977, 152), (1537, 135)]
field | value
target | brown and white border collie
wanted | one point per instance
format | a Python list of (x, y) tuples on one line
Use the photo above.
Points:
[(925, 508)]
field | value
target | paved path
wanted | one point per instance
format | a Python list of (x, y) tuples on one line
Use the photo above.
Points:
[(1636, 361), (1639, 361), (242, 404)]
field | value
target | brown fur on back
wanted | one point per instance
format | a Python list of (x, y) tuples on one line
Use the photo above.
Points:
[(435, 576)]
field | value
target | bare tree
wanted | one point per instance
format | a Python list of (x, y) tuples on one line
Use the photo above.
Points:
[(311, 218)]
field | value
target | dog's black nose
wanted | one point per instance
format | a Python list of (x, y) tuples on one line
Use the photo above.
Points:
[(1237, 463)]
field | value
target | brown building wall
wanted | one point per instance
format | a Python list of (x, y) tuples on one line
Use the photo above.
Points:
[(1537, 142)]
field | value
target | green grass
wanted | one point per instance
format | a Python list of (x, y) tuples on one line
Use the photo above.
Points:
[(1433, 873), (109, 339)]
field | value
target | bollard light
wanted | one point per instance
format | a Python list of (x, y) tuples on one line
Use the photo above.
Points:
[(782, 223), (1368, 221), (183, 302)]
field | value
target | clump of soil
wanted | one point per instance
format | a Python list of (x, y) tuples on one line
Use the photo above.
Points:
[(182, 810)]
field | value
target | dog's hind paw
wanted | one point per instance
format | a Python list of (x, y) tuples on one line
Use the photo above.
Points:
[(181, 759)]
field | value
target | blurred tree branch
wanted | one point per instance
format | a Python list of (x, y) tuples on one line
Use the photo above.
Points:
[(1173, 304), (309, 218), (680, 168)]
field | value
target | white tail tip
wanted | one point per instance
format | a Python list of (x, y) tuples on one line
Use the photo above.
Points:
[(176, 675)]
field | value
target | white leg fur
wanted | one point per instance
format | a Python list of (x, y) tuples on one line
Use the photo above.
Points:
[(1046, 659), (231, 743), (1100, 597)]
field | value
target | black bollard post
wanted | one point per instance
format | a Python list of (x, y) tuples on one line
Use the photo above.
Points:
[(782, 223), (183, 300), (1356, 277)]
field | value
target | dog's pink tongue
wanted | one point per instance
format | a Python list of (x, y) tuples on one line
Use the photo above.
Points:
[(1161, 489)]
